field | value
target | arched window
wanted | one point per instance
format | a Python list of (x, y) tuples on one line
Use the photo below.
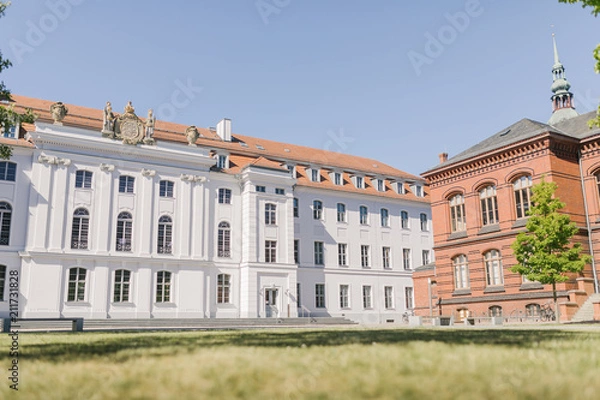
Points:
[(270, 214), (163, 287), (122, 284), (489, 205), (83, 179), (522, 187), (2, 281), (493, 268), (364, 215), (8, 171), (532, 310), (404, 219), (76, 284), (80, 229), (223, 288), (124, 229), (457, 213), (165, 235), (461, 272), (165, 188), (317, 209), (5, 218), (495, 311), (224, 240)]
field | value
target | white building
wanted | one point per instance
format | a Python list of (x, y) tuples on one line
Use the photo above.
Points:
[(101, 221)]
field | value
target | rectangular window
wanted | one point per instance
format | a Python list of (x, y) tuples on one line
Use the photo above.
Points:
[(76, 284), (408, 295), (388, 292), (166, 188), (364, 256), (223, 288), (298, 299), (270, 251), (8, 171), (342, 254), (315, 175), (292, 169), (296, 208), (386, 258), (344, 296), (380, 185), (337, 178), (317, 209), (270, 214), (367, 300), (319, 253), (406, 258), (457, 213), (425, 257), (261, 189), (297, 251), (224, 196), (424, 223), (364, 215), (385, 217), (400, 188), (359, 182), (279, 191), (222, 162), (163, 287), (320, 295), (341, 212), (126, 184), (461, 272), (83, 179), (2, 281), (404, 219), (493, 268), (122, 284)]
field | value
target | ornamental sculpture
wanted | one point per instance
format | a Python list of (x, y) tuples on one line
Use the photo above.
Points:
[(149, 124), (108, 121), (192, 134), (59, 111), (127, 127)]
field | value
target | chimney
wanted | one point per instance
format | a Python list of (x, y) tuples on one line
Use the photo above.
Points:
[(443, 157), (224, 129)]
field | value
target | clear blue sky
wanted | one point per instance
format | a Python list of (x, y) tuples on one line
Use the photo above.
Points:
[(328, 74)]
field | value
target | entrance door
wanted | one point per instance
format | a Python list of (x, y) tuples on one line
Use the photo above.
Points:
[(271, 310)]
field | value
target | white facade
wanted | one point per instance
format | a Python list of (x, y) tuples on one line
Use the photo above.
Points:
[(112, 275)]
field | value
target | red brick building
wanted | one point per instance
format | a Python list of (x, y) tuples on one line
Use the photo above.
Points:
[(479, 200)]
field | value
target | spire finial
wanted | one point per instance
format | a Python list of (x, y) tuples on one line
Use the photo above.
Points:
[(556, 60)]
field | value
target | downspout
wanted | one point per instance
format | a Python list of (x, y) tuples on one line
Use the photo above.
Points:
[(587, 223)]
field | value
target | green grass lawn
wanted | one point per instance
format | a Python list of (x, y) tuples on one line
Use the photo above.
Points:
[(316, 364)]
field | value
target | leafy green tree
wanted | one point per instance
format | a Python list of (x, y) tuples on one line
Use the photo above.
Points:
[(545, 252), (8, 117), (595, 5)]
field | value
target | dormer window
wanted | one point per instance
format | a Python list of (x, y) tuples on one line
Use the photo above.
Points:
[(11, 132), (315, 176), (417, 190), (222, 161), (380, 185), (359, 182), (336, 177), (400, 188), (292, 169)]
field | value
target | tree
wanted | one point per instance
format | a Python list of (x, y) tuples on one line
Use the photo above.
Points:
[(595, 5), (8, 117), (545, 253)]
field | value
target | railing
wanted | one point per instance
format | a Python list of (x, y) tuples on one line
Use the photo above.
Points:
[(304, 311)]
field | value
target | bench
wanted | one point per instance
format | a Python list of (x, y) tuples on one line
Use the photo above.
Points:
[(77, 323)]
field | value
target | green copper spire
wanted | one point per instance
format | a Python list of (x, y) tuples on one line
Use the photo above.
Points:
[(562, 98)]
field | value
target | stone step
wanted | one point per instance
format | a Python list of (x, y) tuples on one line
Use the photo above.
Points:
[(586, 311)]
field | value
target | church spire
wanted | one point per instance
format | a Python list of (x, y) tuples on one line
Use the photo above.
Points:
[(562, 98)]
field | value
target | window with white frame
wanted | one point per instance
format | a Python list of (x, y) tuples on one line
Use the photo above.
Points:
[(163, 287), (367, 297), (425, 259), (522, 188), (385, 217), (457, 213), (400, 188), (404, 219), (224, 196), (124, 231), (2, 281), (296, 208), (337, 179), (319, 253), (344, 296), (489, 205), (126, 183), (317, 209), (342, 254), (461, 272), (493, 268), (315, 175), (80, 229), (380, 185), (76, 287), (5, 221), (406, 259), (222, 161), (260, 189), (223, 288), (122, 286), (364, 215), (270, 214), (388, 297), (8, 171), (386, 257), (364, 256), (165, 188), (341, 212), (292, 169), (320, 295), (165, 235), (408, 297), (224, 240), (424, 222), (83, 179), (495, 311), (359, 182), (279, 191), (270, 251), (418, 190)]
